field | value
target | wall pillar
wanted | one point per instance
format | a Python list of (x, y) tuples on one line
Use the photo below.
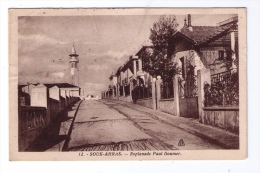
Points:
[(131, 88), (116, 96), (134, 65), (118, 91), (112, 93), (55, 94), (233, 40), (158, 91), (203, 78), (68, 96), (176, 95), (39, 96), (123, 90), (154, 93), (63, 94), (140, 65)]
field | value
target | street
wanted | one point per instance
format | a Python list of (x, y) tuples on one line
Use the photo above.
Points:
[(109, 126)]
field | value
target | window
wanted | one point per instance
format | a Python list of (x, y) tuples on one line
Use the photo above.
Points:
[(137, 65), (221, 55)]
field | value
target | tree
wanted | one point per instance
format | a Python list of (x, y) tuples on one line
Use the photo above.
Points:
[(157, 61)]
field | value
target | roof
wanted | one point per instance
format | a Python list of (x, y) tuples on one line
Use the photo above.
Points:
[(142, 49), (202, 34), (59, 85), (118, 70), (111, 76)]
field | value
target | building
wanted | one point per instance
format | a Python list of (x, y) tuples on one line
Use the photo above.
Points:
[(210, 47), (74, 67), (24, 90)]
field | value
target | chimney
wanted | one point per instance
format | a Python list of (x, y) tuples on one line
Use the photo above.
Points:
[(189, 20), (189, 23)]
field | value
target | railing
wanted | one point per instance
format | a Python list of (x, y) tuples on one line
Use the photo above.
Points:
[(110, 92), (114, 91), (121, 90), (63, 102), (191, 87), (188, 88), (223, 77), (167, 90), (148, 90), (55, 107), (223, 91), (127, 90), (32, 118), (142, 92)]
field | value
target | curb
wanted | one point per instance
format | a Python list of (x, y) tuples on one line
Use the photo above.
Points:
[(65, 146)]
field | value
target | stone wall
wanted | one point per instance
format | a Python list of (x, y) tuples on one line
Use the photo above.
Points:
[(189, 107), (225, 118), (36, 119), (168, 106), (32, 123), (145, 102)]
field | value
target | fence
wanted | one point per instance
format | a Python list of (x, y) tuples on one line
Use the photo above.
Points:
[(54, 107), (223, 77), (32, 118), (188, 87), (127, 90), (143, 91), (114, 87), (167, 90), (223, 91), (32, 122), (121, 90)]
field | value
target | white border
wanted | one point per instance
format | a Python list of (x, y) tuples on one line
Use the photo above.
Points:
[(249, 165)]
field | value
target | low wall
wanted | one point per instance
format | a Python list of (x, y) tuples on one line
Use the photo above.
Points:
[(125, 98), (189, 107), (147, 102), (168, 106), (54, 108), (32, 124), (224, 117)]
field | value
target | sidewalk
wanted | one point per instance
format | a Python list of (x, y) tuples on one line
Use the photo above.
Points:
[(214, 135), (54, 140)]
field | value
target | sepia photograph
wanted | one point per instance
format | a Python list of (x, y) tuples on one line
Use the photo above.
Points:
[(128, 84)]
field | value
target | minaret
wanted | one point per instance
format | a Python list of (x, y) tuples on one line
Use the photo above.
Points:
[(74, 67), (185, 22)]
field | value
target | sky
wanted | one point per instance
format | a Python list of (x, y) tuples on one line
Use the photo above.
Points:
[(103, 43)]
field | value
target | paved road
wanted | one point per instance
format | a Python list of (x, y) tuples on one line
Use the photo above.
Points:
[(105, 126)]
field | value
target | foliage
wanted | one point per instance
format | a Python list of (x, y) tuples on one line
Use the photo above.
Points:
[(157, 61), (223, 93)]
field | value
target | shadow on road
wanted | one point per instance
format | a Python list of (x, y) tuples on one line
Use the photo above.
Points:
[(56, 134)]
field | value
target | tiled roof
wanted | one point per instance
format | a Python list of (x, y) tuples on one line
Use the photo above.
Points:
[(201, 34), (59, 85)]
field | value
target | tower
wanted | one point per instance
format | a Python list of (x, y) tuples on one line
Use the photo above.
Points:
[(74, 67)]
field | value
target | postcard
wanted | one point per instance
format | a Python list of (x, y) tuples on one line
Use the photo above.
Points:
[(127, 84)]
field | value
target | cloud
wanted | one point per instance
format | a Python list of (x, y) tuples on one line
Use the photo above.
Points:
[(94, 86), (113, 55), (37, 40), (98, 67), (57, 75)]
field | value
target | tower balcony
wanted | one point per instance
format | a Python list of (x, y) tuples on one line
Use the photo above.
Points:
[(74, 59)]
